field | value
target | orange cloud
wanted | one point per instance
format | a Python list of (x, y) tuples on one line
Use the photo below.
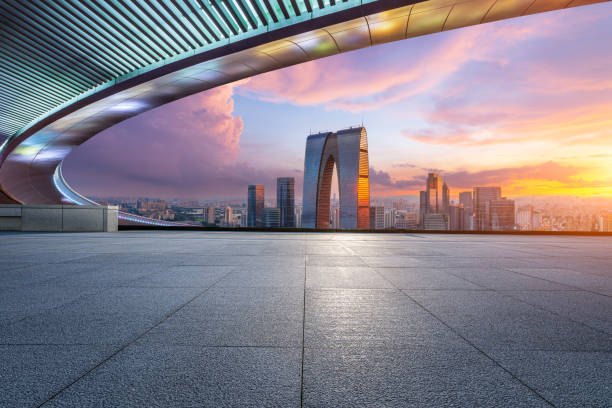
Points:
[(548, 178)]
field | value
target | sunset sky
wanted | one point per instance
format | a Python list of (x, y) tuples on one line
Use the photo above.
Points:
[(525, 104)]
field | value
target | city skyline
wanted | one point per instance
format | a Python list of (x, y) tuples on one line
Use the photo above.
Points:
[(479, 209), (427, 103)]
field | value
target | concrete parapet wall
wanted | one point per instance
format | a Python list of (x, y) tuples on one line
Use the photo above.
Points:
[(58, 218)]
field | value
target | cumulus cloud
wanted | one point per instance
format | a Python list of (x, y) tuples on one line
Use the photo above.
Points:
[(184, 148)]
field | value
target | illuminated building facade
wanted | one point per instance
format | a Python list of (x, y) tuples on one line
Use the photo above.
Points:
[(347, 150), (377, 217), (285, 201), (271, 217), (481, 196), (255, 206), (434, 186), (501, 214)]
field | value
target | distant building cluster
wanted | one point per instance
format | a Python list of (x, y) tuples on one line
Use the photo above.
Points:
[(479, 209), (283, 215), (483, 209)]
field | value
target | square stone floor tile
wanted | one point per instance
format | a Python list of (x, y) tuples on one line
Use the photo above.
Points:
[(30, 374), (415, 377), (191, 376)]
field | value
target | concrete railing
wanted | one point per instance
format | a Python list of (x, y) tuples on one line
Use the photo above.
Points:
[(58, 218)]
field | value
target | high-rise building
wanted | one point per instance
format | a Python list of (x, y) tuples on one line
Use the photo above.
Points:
[(271, 217), (434, 193), (243, 218), (445, 198), (227, 217), (377, 217), (422, 206), (285, 201), (456, 218), (390, 218), (465, 199), (347, 150), (482, 195), (255, 206), (501, 214)]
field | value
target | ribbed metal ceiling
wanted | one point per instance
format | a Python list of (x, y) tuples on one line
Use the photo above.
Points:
[(53, 51)]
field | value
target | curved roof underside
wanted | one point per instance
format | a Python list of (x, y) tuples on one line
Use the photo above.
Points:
[(71, 69)]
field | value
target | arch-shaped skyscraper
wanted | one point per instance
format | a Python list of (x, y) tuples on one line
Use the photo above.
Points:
[(347, 150)]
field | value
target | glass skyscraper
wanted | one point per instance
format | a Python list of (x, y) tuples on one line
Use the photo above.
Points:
[(347, 150), (285, 201), (255, 206), (482, 195), (434, 192)]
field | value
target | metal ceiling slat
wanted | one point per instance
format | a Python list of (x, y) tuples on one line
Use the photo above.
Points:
[(236, 15), (27, 90), (146, 31), (13, 72), (39, 107), (59, 60), (103, 39), (62, 81), (283, 8), (187, 14), (111, 11), (38, 58), (16, 115), (31, 107), (212, 18), (32, 112), (140, 16), (167, 16), (41, 39), (189, 4), (63, 32), (99, 23), (308, 6), (87, 39), (270, 10), (226, 19), (247, 13), (296, 9), (144, 8), (68, 81), (259, 10)]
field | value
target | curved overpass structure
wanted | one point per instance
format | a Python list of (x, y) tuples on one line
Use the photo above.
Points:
[(69, 70)]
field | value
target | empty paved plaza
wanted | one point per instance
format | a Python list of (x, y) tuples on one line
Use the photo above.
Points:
[(224, 319)]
